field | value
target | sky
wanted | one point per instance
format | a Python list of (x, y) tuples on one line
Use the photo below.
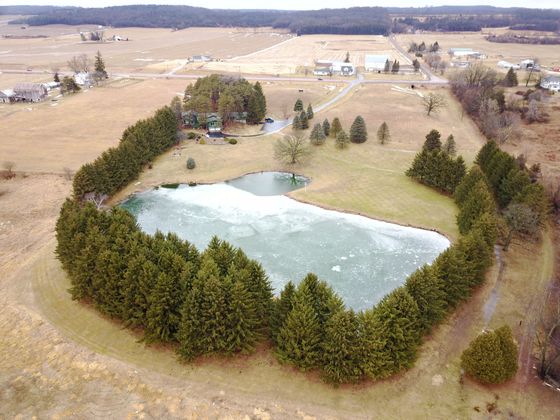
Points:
[(291, 4)]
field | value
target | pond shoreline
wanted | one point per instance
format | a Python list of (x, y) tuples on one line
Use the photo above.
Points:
[(116, 200)]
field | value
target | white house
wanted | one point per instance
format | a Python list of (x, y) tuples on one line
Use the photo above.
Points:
[(83, 79), (201, 58), (51, 85), (552, 83), (375, 62), (527, 64), (346, 69), (322, 70), (465, 53)]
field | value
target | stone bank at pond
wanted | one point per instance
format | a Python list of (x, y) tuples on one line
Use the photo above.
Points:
[(363, 259)]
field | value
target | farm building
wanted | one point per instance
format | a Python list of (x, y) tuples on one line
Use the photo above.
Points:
[(51, 85), (508, 65), (322, 70), (213, 123), (337, 67), (527, 64), (552, 83), (7, 96), (201, 58), (465, 53), (375, 62), (29, 92), (83, 79)]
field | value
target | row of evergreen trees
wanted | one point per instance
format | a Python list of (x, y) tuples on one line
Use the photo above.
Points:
[(435, 165), (510, 182), (217, 301), (118, 166)]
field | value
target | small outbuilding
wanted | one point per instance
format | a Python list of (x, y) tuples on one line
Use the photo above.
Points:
[(7, 96)]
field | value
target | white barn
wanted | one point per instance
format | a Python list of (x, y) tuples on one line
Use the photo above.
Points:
[(375, 62)]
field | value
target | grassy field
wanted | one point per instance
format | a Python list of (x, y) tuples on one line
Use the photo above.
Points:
[(367, 179), (303, 51), (148, 49), (514, 53)]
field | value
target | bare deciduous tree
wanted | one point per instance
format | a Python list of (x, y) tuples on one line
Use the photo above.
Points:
[(80, 63), (9, 168), (548, 339), (68, 173), (292, 149), (433, 102), (520, 219), (96, 198)]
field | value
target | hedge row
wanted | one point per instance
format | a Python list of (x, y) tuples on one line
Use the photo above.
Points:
[(118, 166)]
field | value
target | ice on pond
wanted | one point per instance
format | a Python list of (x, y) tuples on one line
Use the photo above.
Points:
[(361, 258)]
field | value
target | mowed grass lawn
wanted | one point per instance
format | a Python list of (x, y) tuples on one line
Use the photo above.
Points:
[(366, 178)]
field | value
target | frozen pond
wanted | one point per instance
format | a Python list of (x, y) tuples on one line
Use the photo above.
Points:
[(361, 258)]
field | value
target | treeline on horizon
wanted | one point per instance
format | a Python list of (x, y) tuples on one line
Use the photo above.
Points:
[(355, 20)]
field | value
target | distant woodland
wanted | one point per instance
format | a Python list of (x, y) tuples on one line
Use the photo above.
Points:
[(356, 20)]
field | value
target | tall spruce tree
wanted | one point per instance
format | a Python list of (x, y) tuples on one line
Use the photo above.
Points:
[(358, 130), (398, 319), (336, 127), (326, 127), (433, 141), (427, 291), (387, 67), (342, 140), (298, 106), (303, 120), (383, 135), (511, 78), (317, 136), (341, 354), (463, 190), (296, 123), (310, 113), (478, 202), (100, 66), (280, 309), (299, 340), (450, 147)]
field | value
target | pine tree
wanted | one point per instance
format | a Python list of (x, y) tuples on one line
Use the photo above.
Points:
[(310, 112), (485, 154), (478, 202), (342, 140), (281, 308), (511, 186), (299, 340), (383, 135), (433, 141), (326, 127), (100, 66), (317, 136), (387, 67), (336, 127), (491, 357), (395, 67), (347, 58), (242, 322), (261, 100), (296, 124), (449, 147), (303, 120), (375, 361), (427, 291), (451, 269), (397, 319), (162, 317), (298, 107), (416, 64), (463, 190), (259, 287), (358, 130), (56, 77), (511, 78), (341, 349)]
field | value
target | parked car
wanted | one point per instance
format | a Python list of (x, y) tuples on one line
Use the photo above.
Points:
[(319, 78), (268, 120)]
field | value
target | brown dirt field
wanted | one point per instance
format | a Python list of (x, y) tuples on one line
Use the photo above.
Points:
[(146, 47), (514, 53)]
